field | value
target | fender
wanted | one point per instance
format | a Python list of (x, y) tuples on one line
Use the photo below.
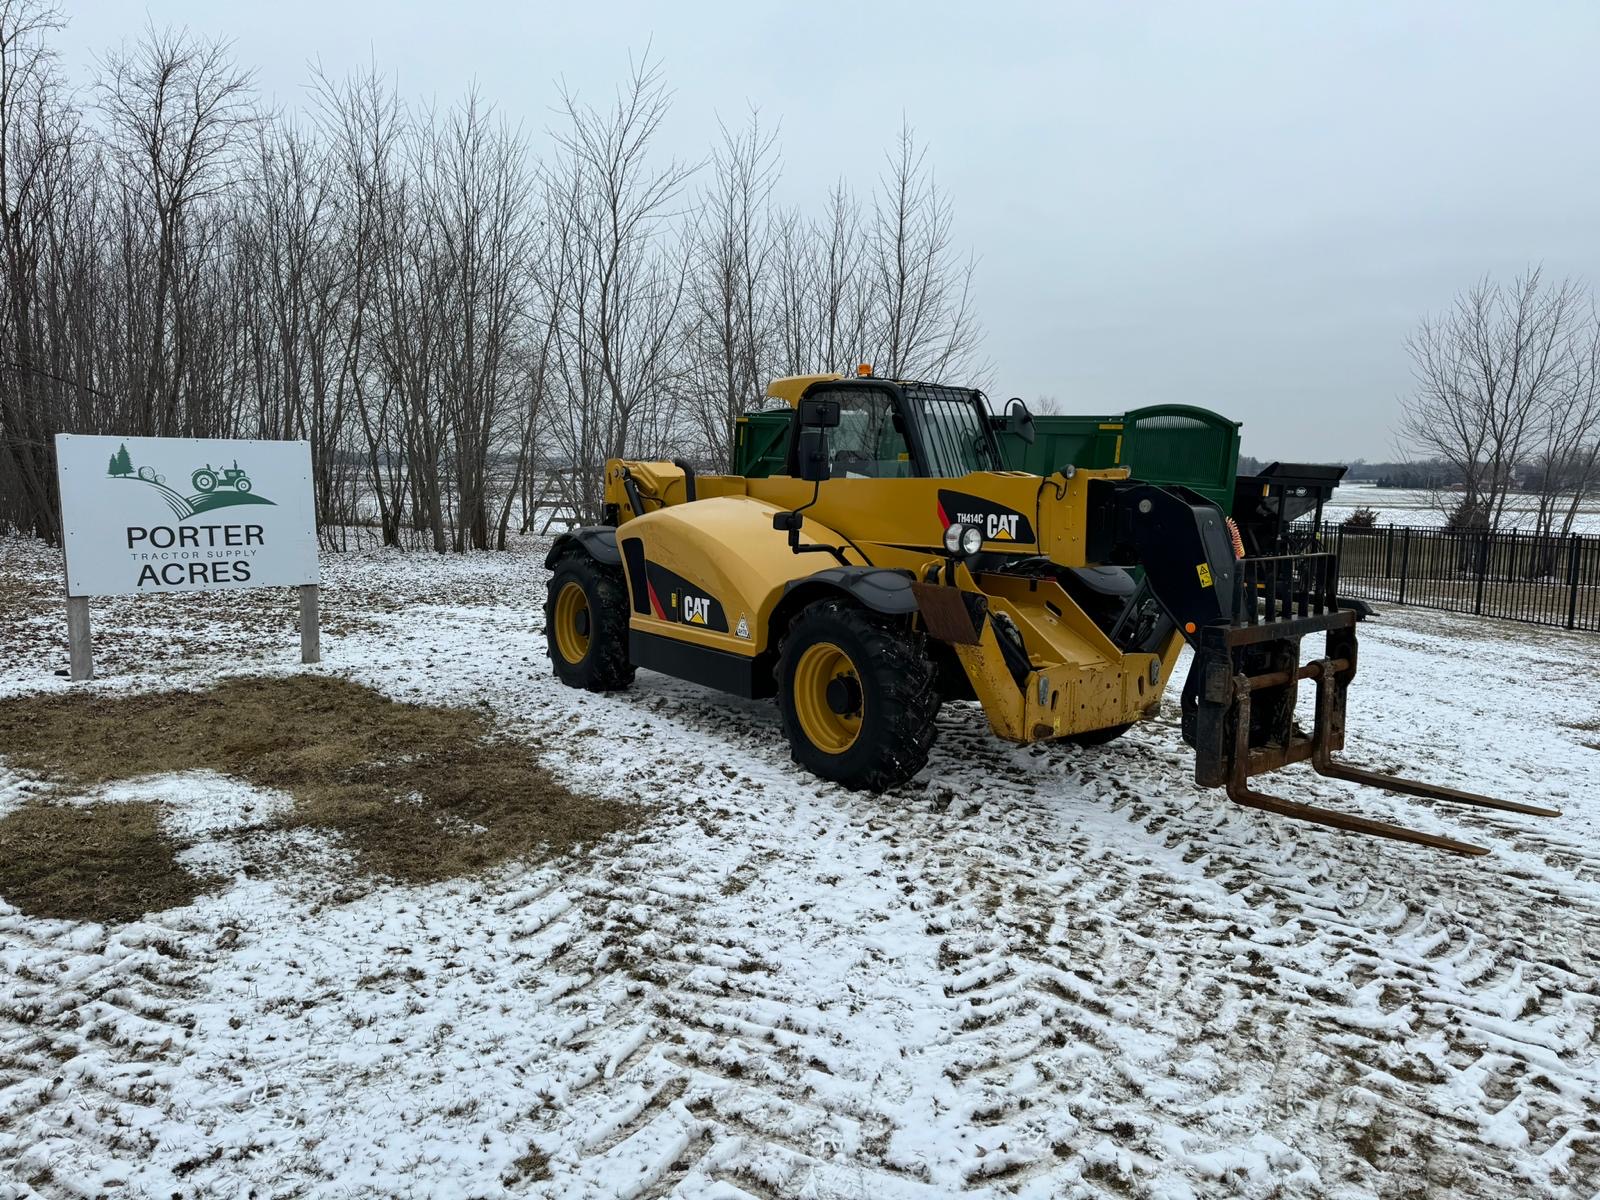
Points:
[(599, 542), (881, 589), (878, 589)]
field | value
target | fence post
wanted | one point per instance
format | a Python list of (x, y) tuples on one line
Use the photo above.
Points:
[(1483, 571), (1405, 563), (1574, 556), (1388, 554)]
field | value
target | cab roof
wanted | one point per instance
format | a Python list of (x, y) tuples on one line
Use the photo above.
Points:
[(790, 388)]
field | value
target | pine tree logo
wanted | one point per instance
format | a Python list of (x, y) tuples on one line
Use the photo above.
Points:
[(214, 487)]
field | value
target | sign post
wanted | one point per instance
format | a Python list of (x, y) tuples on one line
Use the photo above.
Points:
[(80, 652), (184, 515), (310, 625)]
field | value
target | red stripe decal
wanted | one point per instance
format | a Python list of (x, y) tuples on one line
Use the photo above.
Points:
[(655, 601), (943, 520)]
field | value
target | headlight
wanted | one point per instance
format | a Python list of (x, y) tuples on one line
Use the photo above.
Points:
[(961, 539)]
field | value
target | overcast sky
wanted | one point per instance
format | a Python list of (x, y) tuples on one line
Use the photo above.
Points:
[(1245, 207)]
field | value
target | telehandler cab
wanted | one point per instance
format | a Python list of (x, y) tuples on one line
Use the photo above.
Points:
[(897, 564)]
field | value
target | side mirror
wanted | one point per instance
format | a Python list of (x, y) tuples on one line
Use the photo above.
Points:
[(1019, 421), (813, 452), (819, 414)]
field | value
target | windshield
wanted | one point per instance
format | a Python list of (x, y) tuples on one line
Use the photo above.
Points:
[(956, 431), (869, 442)]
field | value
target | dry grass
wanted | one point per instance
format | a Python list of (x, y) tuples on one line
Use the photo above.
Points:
[(1585, 727), (106, 862), (419, 792), (531, 1166)]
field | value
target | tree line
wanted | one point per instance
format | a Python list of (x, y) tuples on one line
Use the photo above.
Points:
[(451, 316)]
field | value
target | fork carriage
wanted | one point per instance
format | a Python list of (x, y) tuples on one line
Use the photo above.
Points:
[(1240, 703)]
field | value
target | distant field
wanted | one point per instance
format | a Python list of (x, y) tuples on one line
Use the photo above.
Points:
[(1402, 506)]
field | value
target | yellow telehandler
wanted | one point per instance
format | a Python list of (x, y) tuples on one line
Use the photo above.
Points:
[(897, 564)]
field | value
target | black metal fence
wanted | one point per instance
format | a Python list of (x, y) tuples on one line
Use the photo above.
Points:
[(1530, 577)]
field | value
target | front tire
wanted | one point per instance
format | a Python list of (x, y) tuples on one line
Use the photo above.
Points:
[(586, 625), (857, 695)]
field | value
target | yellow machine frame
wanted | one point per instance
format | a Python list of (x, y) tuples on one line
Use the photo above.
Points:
[(1078, 682)]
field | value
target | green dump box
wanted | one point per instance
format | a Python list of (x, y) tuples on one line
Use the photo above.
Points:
[(1163, 444)]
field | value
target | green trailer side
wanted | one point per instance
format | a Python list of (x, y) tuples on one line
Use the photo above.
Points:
[(1167, 444), (761, 443)]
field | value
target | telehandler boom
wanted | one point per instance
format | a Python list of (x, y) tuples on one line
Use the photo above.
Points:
[(897, 564)]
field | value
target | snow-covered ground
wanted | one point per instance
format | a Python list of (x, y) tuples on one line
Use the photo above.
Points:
[(1409, 506), (1044, 973)]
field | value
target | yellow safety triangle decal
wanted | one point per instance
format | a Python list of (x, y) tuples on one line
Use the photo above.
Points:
[(1204, 571)]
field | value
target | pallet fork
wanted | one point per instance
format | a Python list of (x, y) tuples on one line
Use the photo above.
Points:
[(1240, 701)]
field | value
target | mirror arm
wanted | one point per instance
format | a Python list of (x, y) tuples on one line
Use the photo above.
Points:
[(793, 520)]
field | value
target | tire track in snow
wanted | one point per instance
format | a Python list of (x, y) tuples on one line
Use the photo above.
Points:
[(726, 1068), (1031, 972), (89, 1021)]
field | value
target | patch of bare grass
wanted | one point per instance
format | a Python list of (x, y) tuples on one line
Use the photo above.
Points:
[(531, 1166), (1585, 727), (102, 862), (419, 792)]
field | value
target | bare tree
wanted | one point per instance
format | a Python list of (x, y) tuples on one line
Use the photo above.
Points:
[(174, 108), (625, 281), (364, 123), (38, 140), (1566, 460), (1486, 371), (730, 336), (925, 325), (479, 204), (825, 293)]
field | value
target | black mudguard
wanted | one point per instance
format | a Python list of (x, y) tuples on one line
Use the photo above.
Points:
[(599, 542), (880, 589)]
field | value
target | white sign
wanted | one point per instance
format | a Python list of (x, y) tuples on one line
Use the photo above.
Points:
[(184, 514)]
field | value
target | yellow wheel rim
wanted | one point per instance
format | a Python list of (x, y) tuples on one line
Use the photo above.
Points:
[(821, 667), (572, 623)]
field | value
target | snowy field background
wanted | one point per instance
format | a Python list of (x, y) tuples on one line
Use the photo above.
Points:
[(1046, 973), (1406, 506)]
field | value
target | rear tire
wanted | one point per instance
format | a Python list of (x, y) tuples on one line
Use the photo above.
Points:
[(857, 696), (586, 625)]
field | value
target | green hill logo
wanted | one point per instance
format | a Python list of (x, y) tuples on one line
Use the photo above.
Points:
[(214, 487)]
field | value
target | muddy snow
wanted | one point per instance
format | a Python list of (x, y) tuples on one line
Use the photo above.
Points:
[(1044, 973)]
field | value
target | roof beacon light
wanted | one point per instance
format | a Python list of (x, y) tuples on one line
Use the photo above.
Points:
[(863, 370)]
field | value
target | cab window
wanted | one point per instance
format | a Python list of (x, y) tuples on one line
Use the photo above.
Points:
[(956, 431), (870, 441)]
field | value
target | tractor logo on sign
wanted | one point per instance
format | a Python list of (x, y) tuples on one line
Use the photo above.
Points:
[(214, 487)]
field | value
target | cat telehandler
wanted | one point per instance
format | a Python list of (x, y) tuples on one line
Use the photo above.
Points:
[(896, 564)]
